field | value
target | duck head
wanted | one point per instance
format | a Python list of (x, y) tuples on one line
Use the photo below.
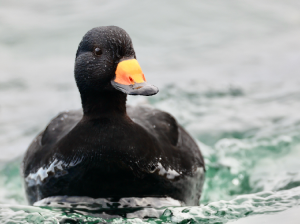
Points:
[(106, 63)]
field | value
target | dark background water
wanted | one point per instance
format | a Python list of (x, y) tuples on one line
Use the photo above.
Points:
[(229, 72)]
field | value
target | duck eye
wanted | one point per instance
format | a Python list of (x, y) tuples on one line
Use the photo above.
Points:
[(98, 51)]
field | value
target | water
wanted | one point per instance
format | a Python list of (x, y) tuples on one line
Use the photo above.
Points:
[(227, 70)]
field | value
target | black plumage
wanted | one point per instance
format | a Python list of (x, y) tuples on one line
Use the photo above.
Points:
[(108, 150)]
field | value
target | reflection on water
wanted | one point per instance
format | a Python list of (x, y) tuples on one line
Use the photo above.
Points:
[(227, 70)]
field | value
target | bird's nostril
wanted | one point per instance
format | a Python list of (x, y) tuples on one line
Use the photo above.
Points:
[(131, 80)]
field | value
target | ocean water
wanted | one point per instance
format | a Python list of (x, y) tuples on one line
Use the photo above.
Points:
[(228, 71)]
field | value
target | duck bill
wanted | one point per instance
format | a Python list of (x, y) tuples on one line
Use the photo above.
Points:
[(131, 80)]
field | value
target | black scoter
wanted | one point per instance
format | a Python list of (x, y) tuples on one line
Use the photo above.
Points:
[(108, 149)]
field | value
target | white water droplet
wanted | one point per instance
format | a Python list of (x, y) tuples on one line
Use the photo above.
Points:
[(235, 181)]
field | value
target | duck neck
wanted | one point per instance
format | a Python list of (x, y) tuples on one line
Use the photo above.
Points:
[(103, 103)]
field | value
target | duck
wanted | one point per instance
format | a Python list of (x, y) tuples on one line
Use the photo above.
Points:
[(110, 150)]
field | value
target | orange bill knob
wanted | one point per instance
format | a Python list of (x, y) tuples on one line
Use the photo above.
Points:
[(129, 72), (130, 79)]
